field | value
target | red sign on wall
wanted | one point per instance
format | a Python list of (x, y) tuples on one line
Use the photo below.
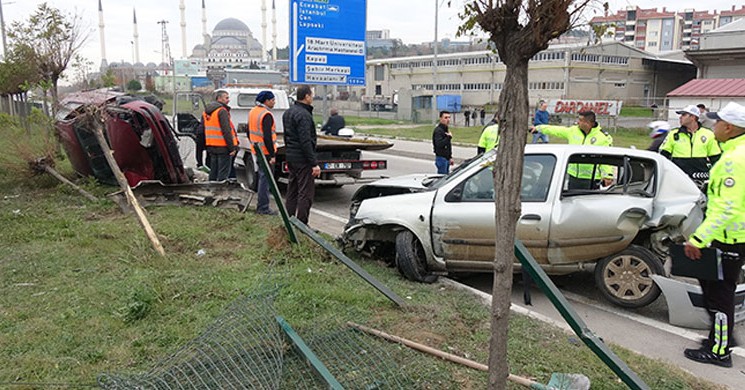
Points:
[(573, 107)]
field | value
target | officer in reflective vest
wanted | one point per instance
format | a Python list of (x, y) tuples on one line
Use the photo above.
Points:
[(489, 138), (586, 132), (691, 147), (220, 137), (262, 132), (724, 229)]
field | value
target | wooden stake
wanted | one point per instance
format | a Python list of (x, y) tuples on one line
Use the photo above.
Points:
[(131, 198), (63, 179), (443, 355)]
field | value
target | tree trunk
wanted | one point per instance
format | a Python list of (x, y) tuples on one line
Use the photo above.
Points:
[(508, 167), (55, 96)]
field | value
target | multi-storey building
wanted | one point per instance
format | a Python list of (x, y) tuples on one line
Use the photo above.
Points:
[(657, 31)]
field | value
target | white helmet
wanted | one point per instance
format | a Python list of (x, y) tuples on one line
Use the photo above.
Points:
[(659, 128)]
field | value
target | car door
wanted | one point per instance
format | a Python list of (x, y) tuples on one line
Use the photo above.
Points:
[(463, 221), (591, 223)]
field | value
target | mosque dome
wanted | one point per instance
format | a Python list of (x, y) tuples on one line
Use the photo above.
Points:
[(232, 25)]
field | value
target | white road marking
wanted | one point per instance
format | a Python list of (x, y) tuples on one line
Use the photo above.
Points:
[(329, 215)]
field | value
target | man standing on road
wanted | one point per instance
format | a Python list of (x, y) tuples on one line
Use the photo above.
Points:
[(467, 115), (540, 118), (482, 114), (586, 132), (262, 132), (300, 149), (723, 228), (220, 137), (441, 141), (691, 147)]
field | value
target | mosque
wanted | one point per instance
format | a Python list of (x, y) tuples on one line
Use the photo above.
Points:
[(231, 45)]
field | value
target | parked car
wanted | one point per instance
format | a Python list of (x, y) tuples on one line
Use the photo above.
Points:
[(431, 225)]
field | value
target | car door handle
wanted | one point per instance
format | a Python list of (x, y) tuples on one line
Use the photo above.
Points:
[(531, 217)]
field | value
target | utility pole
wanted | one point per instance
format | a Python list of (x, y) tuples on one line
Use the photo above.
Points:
[(434, 67)]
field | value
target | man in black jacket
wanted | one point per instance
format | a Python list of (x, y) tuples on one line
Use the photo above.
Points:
[(300, 152), (334, 123), (441, 140)]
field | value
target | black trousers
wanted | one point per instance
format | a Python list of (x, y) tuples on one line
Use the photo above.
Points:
[(719, 295), (300, 191)]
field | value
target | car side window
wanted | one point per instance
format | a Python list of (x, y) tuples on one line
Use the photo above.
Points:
[(588, 174), (536, 180)]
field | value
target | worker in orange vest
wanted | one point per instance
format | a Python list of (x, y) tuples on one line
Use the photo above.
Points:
[(220, 136), (262, 132)]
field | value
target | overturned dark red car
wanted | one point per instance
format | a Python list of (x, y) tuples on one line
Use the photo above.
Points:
[(142, 139)]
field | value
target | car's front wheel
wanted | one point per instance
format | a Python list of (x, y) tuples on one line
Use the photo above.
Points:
[(411, 259), (247, 175), (625, 278)]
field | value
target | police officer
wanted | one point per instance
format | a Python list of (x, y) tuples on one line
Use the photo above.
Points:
[(586, 132), (489, 138), (262, 132), (691, 147), (723, 228)]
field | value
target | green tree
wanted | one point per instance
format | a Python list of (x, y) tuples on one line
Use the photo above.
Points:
[(134, 85), (108, 79), (519, 29), (55, 39)]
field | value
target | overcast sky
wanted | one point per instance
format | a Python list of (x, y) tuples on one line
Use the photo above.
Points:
[(410, 20)]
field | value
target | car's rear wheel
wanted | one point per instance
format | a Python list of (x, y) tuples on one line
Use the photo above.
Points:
[(625, 278), (411, 259), (247, 175)]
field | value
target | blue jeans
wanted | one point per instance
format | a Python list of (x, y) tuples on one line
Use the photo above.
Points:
[(540, 136), (262, 205), (442, 164)]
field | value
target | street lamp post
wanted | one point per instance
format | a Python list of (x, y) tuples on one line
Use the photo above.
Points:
[(434, 68), (2, 27)]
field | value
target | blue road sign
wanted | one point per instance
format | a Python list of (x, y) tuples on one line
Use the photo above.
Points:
[(327, 41)]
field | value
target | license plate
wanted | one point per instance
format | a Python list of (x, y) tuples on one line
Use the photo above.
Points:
[(329, 166)]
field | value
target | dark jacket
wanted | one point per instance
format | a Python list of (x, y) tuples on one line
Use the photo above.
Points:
[(540, 118), (333, 125), (224, 117), (300, 134), (441, 142)]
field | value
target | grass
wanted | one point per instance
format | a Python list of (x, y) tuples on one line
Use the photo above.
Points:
[(84, 293), (637, 111), (363, 121), (622, 137)]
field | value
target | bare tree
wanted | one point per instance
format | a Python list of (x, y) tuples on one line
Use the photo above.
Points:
[(518, 29), (55, 39)]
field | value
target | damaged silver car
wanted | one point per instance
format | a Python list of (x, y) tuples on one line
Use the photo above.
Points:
[(432, 225)]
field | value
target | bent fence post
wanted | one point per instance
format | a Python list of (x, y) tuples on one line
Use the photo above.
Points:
[(348, 262), (309, 355), (627, 375), (264, 166)]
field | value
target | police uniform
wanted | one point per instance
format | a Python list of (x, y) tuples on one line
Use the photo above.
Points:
[(489, 138), (693, 152), (581, 176), (723, 228)]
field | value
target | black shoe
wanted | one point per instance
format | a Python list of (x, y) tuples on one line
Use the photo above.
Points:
[(268, 212), (706, 356)]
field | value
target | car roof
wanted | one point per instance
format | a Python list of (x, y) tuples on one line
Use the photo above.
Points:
[(572, 149)]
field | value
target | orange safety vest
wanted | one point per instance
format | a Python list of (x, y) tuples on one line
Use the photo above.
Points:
[(212, 131), (255, 132)]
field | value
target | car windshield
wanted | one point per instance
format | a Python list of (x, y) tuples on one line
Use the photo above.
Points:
[(457, 171)]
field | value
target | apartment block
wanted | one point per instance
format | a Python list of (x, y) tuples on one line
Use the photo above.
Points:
[(657, 31)]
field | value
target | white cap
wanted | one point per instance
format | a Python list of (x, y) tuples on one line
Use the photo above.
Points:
[(732, 113), (693, 110), (658, 128)]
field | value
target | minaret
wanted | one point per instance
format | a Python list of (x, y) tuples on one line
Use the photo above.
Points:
[(204, 23), (101, 36), (182, 7), (263, 30), (136, 37), (274, 32)]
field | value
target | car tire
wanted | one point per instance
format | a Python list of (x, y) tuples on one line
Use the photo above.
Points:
[(248, 175), (411, 259), (625, 278)]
